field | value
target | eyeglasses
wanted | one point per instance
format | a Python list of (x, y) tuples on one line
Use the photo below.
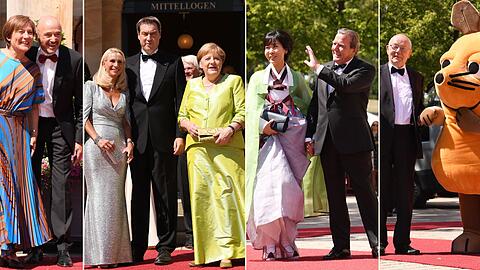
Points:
[(395, 47)]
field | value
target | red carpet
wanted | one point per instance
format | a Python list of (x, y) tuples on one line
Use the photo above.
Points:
[(434, 252), (49, 263), (181, 258), (311, 259), (315, 232)]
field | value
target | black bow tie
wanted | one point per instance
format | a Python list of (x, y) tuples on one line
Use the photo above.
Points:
[(145, 57), (400, 71), (335, 66), (42, 58)]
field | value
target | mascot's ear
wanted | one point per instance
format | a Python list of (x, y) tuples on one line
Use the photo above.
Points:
[(465, 17)]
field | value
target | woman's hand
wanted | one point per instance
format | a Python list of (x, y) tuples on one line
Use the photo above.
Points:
[(128, 151), (190, 127), (106, 145), (33, 144), (268, 130), (223, 136)]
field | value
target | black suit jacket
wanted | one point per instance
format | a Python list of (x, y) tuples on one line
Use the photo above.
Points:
[(67, 93), (387, 106), (346, 107), (156, 117)]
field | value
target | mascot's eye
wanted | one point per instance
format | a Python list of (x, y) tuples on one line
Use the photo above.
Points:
[(445, 63), (474, 68)]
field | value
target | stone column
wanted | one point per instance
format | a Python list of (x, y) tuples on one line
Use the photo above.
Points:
[(103, 29), (62, 9), (93, 34), (112, 23)]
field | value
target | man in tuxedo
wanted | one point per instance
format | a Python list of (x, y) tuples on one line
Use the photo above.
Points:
[(59, 129), (156, 81), (338, 130), (401, 102)]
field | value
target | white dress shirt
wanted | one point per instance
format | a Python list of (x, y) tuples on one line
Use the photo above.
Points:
[(278, 95), (147, 74), (48, 75), (402, 96)]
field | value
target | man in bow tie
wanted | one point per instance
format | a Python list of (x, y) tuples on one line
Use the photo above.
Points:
[(59, 129), (401, 102), (156, 81), (338, 131)]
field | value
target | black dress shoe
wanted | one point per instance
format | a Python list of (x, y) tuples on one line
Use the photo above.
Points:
[(63, 259), (375, 252), (12, 262), (408, 250), (34, 256), (380, 251), (137, 259), (163, 257), (337, 254), (189, 241)]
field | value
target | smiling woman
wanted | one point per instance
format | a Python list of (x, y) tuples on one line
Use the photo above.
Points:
[(107, 151), (21, 208), (275, 169), (213, 105)]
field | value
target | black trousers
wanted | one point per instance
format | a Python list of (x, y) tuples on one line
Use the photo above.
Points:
[(358, 166), (397, 169), (55, 192), (184, 189), (159, 170)]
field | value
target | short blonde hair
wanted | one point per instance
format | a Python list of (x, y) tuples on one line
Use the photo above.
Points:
[(14, 23), (104, 80), (211, 47)]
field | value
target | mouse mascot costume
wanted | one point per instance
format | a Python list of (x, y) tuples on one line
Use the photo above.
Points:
[(456, 157)]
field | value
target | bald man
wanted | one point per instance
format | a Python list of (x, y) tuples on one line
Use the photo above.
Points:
[(59, 129), (401, 102)]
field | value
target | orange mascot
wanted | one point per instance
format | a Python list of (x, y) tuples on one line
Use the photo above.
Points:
[(456, 157)]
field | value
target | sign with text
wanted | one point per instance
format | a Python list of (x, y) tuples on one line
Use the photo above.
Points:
[(182, 6)]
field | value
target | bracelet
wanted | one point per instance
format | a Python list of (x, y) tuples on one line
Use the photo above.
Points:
[(130, 141), (97, 139), (233, 129), (33, 132)]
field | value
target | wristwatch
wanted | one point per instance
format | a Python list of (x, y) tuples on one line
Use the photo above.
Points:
[(97, 139)]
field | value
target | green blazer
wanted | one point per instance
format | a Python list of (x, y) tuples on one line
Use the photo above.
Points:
[(254, 103)]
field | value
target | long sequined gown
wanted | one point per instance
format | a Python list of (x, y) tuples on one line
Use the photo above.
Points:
[(106, 235), (22, 217)]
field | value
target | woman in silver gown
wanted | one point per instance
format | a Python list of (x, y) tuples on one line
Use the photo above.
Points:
[(106, 153)]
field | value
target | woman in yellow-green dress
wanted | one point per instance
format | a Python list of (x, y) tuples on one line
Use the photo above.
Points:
[(215, 104)]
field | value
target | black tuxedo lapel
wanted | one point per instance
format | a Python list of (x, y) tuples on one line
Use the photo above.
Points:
[(136, 70), (62, 64), (413, 83), (387, 96), (159, 74), (328, 65), (351, 66)]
